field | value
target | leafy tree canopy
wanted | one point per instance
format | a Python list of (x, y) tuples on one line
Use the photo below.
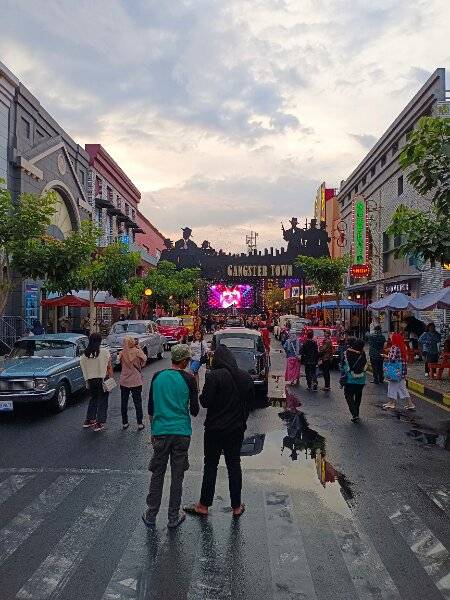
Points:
[(325, 273)]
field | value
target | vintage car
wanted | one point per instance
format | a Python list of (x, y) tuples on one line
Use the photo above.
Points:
[(42, 368), (282, 324), (173, 330), (319, 336), (297, 326), (146, 333), (248, 349)]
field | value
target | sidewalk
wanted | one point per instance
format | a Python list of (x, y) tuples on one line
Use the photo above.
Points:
[(432, 389)]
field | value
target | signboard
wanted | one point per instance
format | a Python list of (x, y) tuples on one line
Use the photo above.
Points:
[(398, 286), (359, 271), (31, 303), (260, 270), (295, 292), (321, 209), (124, 238), (359, 231)]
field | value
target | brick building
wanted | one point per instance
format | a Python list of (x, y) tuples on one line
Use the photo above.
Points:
[(327, 209), (384, 186)]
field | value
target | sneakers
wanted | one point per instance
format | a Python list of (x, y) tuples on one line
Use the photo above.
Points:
[(315, 387), (149, 523), (326, 389), (89, 423), (99, 426)]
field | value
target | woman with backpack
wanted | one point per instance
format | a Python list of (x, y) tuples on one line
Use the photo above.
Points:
[(292, 348), (96, 364), (354, 376), (132, 359), (395, 369)]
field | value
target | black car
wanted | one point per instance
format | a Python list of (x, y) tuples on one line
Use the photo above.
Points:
[(248, 349)]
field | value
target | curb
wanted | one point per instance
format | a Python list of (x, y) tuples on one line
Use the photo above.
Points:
[(428, 392)]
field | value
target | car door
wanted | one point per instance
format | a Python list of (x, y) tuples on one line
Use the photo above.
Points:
[(78, 381), (154, 340)]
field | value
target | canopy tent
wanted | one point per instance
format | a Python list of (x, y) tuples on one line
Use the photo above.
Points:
[(332, 305), (81, 299), (68, 300), (440, 299), (397, 301)]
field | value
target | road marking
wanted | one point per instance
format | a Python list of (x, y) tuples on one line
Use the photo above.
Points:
[(75, 471), (132, 578), (422, 397), (429, 551), (440, 496), (26, 522), (291, 576), (68, 553), (367, 572), (12, 485)]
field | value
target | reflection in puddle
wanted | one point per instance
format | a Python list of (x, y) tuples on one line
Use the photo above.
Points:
[(431, 438)]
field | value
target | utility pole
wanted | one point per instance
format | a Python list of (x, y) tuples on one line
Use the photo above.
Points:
[(251, 241)]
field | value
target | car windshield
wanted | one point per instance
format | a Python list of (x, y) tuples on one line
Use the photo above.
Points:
[(169, 322), (130, 328), (237, 342), (41, 348), (245, 360)]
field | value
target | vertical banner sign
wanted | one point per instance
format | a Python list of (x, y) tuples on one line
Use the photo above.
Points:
[(359, 231), (320, 204)]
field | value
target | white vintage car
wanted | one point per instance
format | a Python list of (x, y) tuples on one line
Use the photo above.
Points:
[(145, 332)]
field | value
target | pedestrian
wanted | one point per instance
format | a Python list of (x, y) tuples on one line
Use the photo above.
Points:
[(310, 357), (326, 355), (265, 335), (375, 322), (199, 354), (429, 345), (376, 345), (95, 364), (37, 328), (396, 370), (173, 398), (292, 349), (354, 372), (132, 359), (227, 394)]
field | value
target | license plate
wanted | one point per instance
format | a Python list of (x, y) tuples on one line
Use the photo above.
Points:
[(6, 406)]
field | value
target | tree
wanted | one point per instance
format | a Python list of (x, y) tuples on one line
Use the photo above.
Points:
[(325, 273), (426, 233), (23, 225), (274, 300)]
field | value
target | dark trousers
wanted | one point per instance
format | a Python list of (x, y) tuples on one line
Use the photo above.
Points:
[(377, 369), (326, 367), (98, 404), (136, 394), (430, 358), (176, 448), (353, 395), (230, 444), (311, 375)]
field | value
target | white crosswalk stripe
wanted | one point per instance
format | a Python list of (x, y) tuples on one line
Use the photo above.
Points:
[(13, 484), (440, 496), (57, 568)]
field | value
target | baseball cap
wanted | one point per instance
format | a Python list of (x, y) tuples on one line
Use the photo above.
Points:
[(180, 352)]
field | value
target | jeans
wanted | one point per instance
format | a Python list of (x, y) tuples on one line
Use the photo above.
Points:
[(98, 404), (136, 394), (230, 444), (311, 375), (430, 357), (353, 395), (164, 446), (326, 366), (377, 369)]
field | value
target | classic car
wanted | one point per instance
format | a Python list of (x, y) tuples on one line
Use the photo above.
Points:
[(297, 326), (248, 349), (173, 330), (146, 333), (319, 336), (42, 368), (282, 324)]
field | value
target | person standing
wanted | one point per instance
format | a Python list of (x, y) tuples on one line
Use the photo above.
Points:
[(292, 349), (265, 334), (326, 354), (310, 357), (37, 328), (96, 364), (355, 362), (132, 359), (227, 393), (199, 354), (397, 386), (376, 345), (173, 398), (429, 344)]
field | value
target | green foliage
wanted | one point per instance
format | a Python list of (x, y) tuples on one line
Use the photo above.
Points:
[(274, 300), (325, 273)]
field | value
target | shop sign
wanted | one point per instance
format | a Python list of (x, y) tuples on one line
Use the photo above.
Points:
[(360, 271), (359, 231), (321, 209), (31, 303), (260, 270), (287, 293), (398, 286), (295, 292)]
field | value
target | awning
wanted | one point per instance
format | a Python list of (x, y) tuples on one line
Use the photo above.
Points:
[(397, 301), (81, 299), (68, 300), (332, 305), (440, 299)]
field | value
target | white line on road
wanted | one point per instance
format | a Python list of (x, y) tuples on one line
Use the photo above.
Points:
[(12, 485), (26, 522), (68, 553), (440, 496)]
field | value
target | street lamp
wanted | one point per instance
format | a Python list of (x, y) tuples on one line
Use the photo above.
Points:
[(148, 293)]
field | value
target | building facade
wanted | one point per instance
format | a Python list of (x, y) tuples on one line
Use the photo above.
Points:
[(380, 181), (37, 155)]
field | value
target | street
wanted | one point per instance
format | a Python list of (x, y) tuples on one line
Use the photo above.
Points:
[(353, 512)]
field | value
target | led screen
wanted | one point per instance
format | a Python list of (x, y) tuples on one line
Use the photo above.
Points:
[(226, 296)]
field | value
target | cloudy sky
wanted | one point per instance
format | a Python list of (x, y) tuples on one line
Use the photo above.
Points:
[(227, 114)]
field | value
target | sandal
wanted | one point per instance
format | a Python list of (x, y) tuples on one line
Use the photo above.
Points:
[(410, 407), (192, 509), (237, 515), (389, 406)]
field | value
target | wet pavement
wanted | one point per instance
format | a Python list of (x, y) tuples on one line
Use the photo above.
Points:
[(334, 510)]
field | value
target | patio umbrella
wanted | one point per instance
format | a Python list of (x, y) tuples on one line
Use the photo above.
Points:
[(440, 299), (332, 305), (397, 301), (68, 300)]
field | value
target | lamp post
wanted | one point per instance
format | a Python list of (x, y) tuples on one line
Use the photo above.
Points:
[(148, 292)]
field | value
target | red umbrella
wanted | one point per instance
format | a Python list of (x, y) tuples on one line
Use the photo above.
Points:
[(68, 300)]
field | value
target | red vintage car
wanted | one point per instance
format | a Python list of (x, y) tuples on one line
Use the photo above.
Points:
[(319, 336), (173, 330)]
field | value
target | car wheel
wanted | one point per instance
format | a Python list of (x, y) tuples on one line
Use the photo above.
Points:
[(159, 356), (145, 351), (59, 400)]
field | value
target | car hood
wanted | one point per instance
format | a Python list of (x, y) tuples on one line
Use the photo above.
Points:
[(32, 367)]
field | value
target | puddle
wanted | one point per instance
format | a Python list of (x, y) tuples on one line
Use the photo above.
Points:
[(430, 438), (295, 455)]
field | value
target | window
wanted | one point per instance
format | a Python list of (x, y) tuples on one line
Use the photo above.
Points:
[(98, 186), (397, 241), (394, 148), (119, 202), (4, 119), (372, 171), (348, 197), (127, 209), (109, 193), (364, 179), (386, 242), (26, 128), (385, 263), (356, 189), (400, 185), (383, 160), (83, 177)]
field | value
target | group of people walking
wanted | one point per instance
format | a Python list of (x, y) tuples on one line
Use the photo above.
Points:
[(308, 354)]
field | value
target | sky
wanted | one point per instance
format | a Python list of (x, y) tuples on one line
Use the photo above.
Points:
[(226, 114)]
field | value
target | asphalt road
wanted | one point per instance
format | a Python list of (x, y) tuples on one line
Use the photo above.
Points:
[(342, 511)]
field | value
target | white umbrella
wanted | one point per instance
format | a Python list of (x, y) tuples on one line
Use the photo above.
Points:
[(440, 299), (397, 301)]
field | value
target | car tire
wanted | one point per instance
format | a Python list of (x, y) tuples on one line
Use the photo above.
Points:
[(145, 351), (59, 401), (159, 356)]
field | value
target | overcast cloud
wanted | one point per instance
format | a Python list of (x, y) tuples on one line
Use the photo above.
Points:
[(227, 114)]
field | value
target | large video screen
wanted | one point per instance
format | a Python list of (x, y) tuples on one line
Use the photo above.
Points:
[(227, 296)]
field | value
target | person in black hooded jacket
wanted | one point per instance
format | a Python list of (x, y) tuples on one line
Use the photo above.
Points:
[(226, 395)]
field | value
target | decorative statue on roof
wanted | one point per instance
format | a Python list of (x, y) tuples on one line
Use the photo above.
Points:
[(186, 243), (294, 236)]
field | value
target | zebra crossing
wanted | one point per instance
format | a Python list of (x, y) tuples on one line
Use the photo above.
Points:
[(211, 559)]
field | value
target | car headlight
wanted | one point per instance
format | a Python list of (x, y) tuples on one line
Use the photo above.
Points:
[(41, 383)]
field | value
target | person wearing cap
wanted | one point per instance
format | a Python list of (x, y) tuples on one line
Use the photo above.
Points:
[(173, 398)]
